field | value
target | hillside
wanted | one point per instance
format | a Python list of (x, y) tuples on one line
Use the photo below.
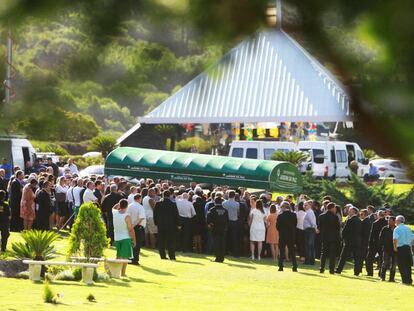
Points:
[(71, 84)]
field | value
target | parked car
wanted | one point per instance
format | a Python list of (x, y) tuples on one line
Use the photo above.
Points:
[(93, 170), (391, 168)]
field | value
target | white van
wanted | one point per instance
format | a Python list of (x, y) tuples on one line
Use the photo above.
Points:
[(261, 150), (17, 151), (331, 159)]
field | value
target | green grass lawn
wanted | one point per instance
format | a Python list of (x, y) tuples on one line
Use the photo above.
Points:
[(193, 282)]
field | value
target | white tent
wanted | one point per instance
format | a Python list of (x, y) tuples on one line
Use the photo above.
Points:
[(266, 78)]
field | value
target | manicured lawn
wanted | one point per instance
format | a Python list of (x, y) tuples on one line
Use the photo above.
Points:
[(196, 283)]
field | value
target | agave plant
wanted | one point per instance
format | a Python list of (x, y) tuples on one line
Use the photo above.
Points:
[(37, 245), (294, 157)]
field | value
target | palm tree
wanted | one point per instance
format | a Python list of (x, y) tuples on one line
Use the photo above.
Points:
[(294, 157), (37, 245)]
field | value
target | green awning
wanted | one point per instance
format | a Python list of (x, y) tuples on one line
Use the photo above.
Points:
[(187, 167)]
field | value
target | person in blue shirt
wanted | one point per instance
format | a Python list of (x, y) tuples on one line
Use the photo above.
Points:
[(7, 167), (373, 174), (402, 240)]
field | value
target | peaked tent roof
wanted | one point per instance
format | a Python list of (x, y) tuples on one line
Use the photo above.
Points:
[(266, 78)]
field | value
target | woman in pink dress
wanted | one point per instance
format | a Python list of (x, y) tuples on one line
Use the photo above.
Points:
[(27, 204), (272, 236)]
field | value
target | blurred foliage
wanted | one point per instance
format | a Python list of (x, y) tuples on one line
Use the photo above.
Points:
[(370, 154), (202, 145), (43, 146), (132, 48)]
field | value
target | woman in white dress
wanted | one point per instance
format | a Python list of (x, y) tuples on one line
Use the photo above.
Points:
[(257, 219)]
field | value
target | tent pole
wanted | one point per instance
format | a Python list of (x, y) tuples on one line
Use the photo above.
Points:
[(279, 14)]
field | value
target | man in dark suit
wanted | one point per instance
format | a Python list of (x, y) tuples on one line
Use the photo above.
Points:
[(218, 221), (108, 202), (168, 221), (15, 196), (389, 255), (374, 245), (351, 235), (3, 180), (329, 228), (286, 225), (365, 232)]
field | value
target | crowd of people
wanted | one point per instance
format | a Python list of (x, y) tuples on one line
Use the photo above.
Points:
[(221, 221)]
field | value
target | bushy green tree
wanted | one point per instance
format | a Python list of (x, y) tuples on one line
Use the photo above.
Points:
[(103, 143), (88, 232)]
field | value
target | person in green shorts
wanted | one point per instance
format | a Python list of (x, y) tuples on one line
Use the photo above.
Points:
[(124, 232)]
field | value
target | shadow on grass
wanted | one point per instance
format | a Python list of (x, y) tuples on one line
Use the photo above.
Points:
[(76, 283), (240, 266), (311, 274), (156, 271), (353, 277), (188, 262)]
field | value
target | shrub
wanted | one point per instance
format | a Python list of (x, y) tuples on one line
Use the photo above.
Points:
[(91, 298), (66, 275), (370, 154), (43, 146), (294, 157), (48, 294), (36, 246), (22, 275), (202, 145), (104, 144), (88, 232), (77, 273), (55, 270)]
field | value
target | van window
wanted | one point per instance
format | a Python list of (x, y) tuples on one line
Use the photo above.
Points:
[(237, 153), (283, 150), (267, 153), (251, 153), (318, 156), (341, 156), (360, 156), (333, 158)]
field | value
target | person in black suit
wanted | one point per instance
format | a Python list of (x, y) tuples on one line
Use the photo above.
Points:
[(218, 221), (286, 225), (365, 232), (389, 255), (168, 221), (351, 235), (108, 202), (374, 247), (45, 209), (15, 196), (3, 180), (329, 229)]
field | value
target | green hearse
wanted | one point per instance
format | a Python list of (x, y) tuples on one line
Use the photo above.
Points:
[(182, 167)]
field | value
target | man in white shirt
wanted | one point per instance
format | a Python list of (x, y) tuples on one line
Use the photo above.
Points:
[(186, 211), (133, 192), (88, 195), (77, 195), (137, 213), (310, 228), (72, 166), (151, 229)]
